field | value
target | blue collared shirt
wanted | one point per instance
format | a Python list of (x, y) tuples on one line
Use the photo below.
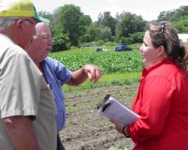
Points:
[(56, 74)]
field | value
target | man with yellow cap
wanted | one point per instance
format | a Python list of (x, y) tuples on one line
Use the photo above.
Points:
[(27, 108)]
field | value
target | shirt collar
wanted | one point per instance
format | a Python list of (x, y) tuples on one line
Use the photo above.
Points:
[(5, 39), (147, 70)]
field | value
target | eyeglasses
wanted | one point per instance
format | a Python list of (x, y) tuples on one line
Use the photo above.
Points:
[(46, 37), (28, 21), (20, 19)]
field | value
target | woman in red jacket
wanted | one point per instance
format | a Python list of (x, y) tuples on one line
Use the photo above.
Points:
[(162, 98)]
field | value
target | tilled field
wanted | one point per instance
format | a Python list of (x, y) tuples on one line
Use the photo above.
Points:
[(85, 129)]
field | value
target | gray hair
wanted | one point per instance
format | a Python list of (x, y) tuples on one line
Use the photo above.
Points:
[(6, 22), (39, 25)]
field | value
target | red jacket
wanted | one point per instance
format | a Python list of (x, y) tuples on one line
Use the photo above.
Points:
[(162, 103)]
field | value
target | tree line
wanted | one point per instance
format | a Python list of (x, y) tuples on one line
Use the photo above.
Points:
[(72, 28)]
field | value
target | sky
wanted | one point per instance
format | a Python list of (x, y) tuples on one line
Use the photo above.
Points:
[(148, 9)]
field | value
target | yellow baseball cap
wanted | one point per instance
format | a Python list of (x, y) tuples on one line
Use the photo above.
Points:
[(19, 8)]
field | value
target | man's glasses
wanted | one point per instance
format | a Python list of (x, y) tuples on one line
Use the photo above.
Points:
[(46, 37), (28, 21), (43, 37), (20, 19)]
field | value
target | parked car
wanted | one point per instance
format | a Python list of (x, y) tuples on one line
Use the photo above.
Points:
[(122, 48), (99, 48)]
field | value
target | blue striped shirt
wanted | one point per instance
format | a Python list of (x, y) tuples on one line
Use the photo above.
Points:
[(56, 74)]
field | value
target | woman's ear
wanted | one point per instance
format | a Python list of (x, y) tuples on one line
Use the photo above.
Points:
[(161, 51)]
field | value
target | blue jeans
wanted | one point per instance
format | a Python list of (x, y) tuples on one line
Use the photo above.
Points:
[(59, 144)]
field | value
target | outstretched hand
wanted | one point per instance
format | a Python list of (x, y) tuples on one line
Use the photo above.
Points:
[(90, 72), (93, 72)]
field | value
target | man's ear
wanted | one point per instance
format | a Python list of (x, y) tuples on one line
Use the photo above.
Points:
[(19, 24)]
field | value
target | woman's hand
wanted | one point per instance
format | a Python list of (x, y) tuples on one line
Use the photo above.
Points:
[(119, 126)]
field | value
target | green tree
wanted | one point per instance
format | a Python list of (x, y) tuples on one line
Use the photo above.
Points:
[(128, 24), (180, 13), (165, 16), (73, 22), (93, 31), (182, 25), (173, 15), (178, 17), (60, 41), (46, 15), (106, 20), (105, 34)]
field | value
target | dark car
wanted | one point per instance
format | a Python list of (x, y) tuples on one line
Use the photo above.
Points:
[(97, 49), (122, 48)]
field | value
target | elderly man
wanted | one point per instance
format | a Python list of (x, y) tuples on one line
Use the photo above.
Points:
[(27, 108), (55, 73)]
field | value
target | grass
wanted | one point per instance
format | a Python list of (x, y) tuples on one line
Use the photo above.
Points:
[(107, 80)]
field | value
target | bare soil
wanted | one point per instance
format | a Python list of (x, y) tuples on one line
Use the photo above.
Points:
[(85, 129)]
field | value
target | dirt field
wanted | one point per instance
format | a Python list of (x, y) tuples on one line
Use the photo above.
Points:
[(85, 129)]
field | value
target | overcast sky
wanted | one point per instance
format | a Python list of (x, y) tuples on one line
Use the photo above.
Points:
[(148, 9)]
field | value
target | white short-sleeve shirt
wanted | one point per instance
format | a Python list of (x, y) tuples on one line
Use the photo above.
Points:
[(24, 92)]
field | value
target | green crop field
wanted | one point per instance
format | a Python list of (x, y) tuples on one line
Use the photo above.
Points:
[(109, 61), (118, 68)]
